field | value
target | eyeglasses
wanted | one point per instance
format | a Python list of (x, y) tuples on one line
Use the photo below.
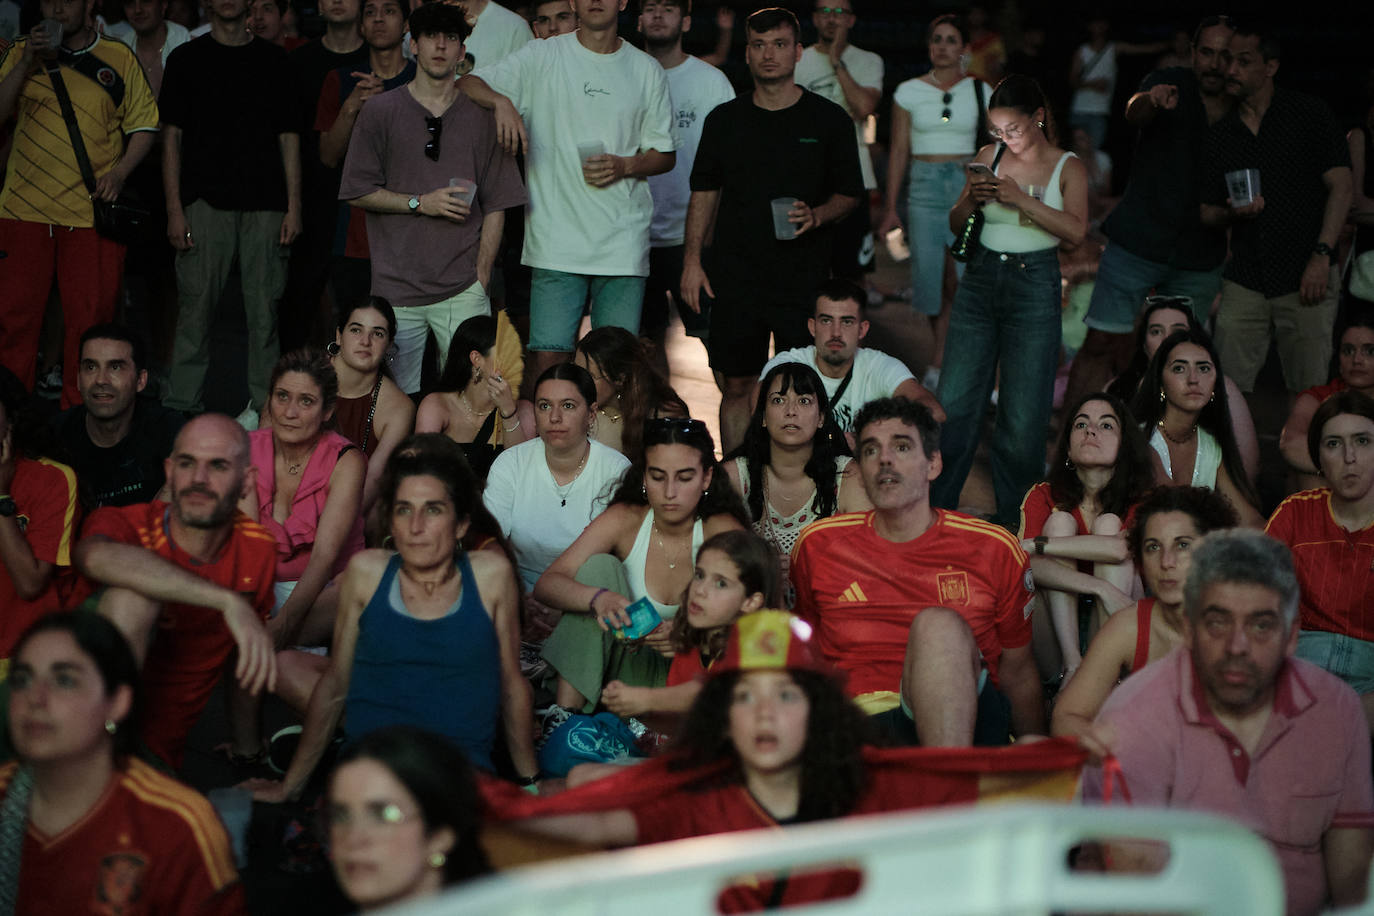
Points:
[(944, 115), (373, 815), (435, 126), (1013, 132), (1365, 350), (833, 11)]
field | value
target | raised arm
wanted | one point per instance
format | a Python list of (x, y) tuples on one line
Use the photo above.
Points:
[(510, 127)]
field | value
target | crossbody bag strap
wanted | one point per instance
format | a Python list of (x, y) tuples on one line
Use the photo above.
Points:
[(14, 821), (59, 85)]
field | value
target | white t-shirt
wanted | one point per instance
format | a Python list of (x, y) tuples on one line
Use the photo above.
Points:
[(496, 33), (695, 88), (569, 95), (876, 375), (527, 503), (177, 35), (1096, 65), (815, 73)]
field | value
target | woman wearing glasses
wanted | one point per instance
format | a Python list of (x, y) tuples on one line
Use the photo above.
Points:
[(938, 121), (674, 496), (1034, 197)]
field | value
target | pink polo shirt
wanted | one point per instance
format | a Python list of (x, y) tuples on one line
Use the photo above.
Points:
[(1309, 773)]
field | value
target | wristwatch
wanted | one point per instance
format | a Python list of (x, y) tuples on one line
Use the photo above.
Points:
[(1323, 248), (414, 204), (8, 509)]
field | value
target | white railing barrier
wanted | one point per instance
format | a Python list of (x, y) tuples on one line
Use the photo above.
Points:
[(1007, 860)]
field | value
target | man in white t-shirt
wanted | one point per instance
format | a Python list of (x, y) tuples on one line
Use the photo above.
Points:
[(853, 79), (597, 116), (695, 87), (852, 375), (496, 32)]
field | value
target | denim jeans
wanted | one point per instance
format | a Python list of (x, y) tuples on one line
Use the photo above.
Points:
[(933, 189), (1005, 316)]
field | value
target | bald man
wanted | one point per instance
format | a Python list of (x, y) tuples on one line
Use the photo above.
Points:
[(188, 581)]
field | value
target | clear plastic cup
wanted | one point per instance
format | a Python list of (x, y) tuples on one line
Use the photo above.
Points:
[(783, 229), (1036, 191), (589, 149), (1243, 186), (469, 189), (54, 30)]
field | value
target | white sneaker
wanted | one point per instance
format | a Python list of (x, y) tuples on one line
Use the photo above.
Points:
[(248, 419)]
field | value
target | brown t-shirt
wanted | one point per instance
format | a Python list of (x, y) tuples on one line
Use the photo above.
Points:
[(420, 260)]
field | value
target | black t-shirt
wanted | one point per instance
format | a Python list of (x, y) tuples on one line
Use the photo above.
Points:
[(1158, 216), (1298, 142), (752, 155), (127, 473), (312, 62), (231, 103)]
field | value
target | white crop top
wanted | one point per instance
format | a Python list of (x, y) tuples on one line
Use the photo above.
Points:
[(1002, 229), (931, 135)]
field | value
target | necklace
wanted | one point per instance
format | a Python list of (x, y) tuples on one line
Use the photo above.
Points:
[(564, 489), (467, 405), (1185, 439), (787, 498), (661, 548), (429, 587)]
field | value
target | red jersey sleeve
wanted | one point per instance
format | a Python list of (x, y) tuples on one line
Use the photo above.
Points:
[(1280, 524), (258, 557), (798, 569), (1015, 595), (330, 104), (115, 523), (1035, 510), (45, 494)]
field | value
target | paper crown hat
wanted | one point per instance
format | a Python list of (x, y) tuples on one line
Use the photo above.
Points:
[(770, 640)]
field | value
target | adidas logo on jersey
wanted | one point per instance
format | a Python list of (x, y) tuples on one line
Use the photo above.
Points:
[(853, 593)]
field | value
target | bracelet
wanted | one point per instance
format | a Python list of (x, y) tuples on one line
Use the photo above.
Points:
[(507, 416), (1040, 541), (511, 429), (523, 781), (591, 605)]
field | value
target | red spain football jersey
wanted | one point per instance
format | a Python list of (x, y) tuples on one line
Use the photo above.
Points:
[(861, 591), (1335, 567)]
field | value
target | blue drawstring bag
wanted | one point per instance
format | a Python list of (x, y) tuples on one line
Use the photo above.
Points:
[(602, 738)]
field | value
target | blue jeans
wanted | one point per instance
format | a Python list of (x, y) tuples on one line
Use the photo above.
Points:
[(1125, 279), (1005, 315), (556, 300), (932, 189)]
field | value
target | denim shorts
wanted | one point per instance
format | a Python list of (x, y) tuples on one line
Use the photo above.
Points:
[(1125, 279), (557, 298), (1350, 659)]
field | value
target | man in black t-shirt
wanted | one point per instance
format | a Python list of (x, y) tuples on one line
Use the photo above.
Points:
[(1157, 240), (115, 440), (232, 173), (780, 141)]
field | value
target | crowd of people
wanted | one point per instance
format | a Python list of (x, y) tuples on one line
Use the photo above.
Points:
[(462, 533)]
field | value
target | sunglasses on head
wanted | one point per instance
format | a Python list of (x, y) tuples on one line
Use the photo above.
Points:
[(666, 425)]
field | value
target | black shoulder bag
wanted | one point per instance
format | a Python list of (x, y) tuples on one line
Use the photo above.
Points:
[(124, 220), (968, 240)]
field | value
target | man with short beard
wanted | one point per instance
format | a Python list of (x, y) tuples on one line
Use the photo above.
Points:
[(1157, 240), (1232, 723), (116, 441), (188, 581)]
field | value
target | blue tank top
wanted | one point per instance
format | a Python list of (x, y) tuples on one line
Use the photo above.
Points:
[(443, 675)]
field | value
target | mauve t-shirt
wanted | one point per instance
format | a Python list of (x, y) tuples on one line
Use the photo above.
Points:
[(420, 260)]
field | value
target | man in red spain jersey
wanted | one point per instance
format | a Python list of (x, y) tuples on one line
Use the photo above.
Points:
[(1331, 534), (188, 581), (927, 611)]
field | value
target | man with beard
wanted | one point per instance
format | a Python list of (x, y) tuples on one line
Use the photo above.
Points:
[(779, 142), (926, 611), (852, 375), (695, 88), (413, 160), (1157, 240), (116, 441), (188, 581), (1230, 722)]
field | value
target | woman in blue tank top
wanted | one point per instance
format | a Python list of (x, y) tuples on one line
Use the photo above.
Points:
[(427, 635), (1006, 314)]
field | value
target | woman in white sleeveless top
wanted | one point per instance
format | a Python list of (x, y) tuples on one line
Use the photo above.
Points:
[(1006, 313)]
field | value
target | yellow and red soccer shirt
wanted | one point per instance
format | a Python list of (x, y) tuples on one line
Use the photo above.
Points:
[(43, 184), (191, 643), (861, 592), (44, 493), (149, 845), (1335, 567)]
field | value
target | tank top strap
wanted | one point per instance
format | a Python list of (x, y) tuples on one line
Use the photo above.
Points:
[(1143, 612), (1054, 197)]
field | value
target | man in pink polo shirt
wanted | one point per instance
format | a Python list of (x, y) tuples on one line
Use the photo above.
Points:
[(1232, 723)]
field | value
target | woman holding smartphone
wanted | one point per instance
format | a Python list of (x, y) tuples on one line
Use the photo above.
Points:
[(1034, 197)]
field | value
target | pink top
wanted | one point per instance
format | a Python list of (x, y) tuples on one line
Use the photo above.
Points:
[(296, 536), (1309, 773)]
